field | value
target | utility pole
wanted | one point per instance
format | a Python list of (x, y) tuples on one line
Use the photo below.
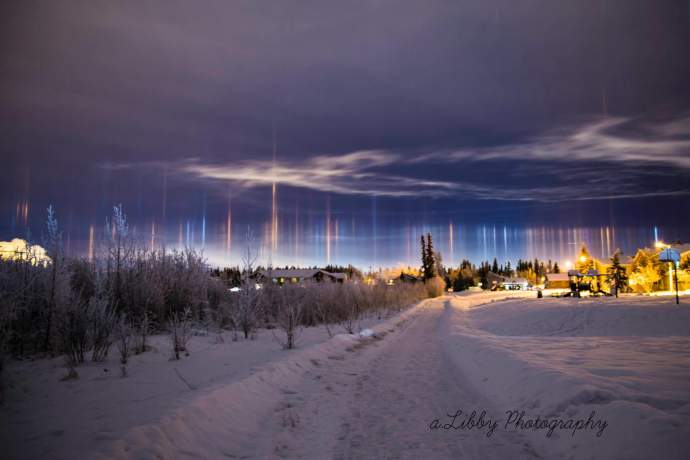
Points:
[(675, 266)]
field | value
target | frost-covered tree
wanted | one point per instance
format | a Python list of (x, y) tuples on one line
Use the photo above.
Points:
[(53, 244), (291, 300), (245, 313), (120, 248)]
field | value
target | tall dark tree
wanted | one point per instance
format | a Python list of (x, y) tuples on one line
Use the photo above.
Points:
[(616, 274), (494, 266), (428, 258)]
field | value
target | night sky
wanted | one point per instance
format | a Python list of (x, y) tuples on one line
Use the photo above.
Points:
[(493, 124)]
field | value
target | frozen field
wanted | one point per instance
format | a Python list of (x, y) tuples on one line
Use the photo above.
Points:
[(627, 360)]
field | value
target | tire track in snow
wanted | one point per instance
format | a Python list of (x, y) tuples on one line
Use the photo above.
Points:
[(379, 401)]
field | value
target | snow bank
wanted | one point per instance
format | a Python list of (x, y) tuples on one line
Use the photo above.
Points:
[(626, 359)]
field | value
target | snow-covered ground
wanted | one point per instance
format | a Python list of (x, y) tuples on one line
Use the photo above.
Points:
[(376, 396), (44, 417), (627, 359)]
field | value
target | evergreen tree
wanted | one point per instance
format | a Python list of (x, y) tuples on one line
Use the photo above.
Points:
[(430, 266), (494, 267), (556, 268), (616, 273)]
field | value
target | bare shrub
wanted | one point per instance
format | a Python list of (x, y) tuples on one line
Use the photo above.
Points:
[(102, 321), (323, 297), (143, 330), (435, 286), (123, 337), (53, 244), (289, 313), (353, 301), (245, 311), (73, 328), (180, 331)]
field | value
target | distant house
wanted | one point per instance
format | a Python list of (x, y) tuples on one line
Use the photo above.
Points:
[(557, 281), (407, 278), (301, 275), (500, 282)]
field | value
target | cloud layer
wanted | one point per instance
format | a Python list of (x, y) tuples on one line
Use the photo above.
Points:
[(605, 159)]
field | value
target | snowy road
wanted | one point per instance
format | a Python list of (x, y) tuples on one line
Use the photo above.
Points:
[(379, 402)]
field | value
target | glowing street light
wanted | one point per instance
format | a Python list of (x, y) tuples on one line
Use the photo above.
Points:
[(583, 259)]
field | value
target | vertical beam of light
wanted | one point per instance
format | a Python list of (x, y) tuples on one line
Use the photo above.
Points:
[(91, 242), (450, 242), (179, 236), (203, 223), (164, 210), (336, 238), (153, 234), (25, 213), (296, 248), (228, 230), (505, 242), (203, 231), (328, 230), (374, 229), (608, 241), (274, 217), (189, 231), (656, 234), (274, 199), (408, 237), (228, 233)]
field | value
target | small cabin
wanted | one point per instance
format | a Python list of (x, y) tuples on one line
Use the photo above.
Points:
[(301, 275), (557, 281)]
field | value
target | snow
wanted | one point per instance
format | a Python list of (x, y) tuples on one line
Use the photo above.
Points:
[(628, 359), (44, 417), (375, 393)]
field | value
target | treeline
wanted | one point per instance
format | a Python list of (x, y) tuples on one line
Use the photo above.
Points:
[(467, 274), (232, 276)]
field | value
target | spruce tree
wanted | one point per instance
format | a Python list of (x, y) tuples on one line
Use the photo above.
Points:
[(430, 271), (616, 273), (425, 259)]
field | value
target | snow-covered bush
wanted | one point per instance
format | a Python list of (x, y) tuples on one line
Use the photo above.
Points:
[(246, 306), (435, 286), (180, 325), (123, 337), (102, 320), (73, 323), (290, 306)]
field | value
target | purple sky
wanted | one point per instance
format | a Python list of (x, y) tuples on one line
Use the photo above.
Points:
[(383, 113)]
